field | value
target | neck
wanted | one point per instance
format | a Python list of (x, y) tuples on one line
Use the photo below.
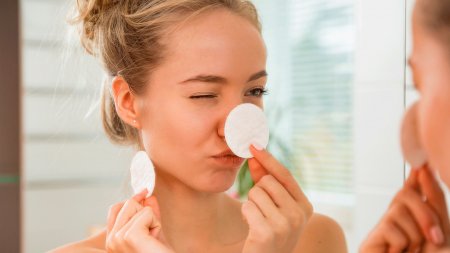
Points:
[(191, 218)]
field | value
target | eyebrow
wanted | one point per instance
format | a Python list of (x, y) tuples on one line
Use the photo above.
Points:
[(222, 80)]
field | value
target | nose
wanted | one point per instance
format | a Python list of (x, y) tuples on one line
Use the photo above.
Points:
[(223, 116)]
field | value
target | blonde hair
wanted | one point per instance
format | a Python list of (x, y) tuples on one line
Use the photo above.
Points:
[(126, 35)]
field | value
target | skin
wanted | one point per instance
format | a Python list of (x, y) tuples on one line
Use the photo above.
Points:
[(189, 211), (411, 223)]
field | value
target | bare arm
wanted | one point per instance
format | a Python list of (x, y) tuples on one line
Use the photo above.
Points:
[(321, 235)]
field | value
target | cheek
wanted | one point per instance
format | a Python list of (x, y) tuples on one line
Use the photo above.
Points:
[(434, 123), (175, 130)]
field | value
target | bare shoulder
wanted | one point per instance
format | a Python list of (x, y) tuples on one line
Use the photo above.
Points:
[(322, 234), (93, 244)]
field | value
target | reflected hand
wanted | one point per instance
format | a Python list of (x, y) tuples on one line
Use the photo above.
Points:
[(417, 219)]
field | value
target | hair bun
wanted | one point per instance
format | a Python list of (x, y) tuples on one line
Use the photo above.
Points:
[(89, 14)]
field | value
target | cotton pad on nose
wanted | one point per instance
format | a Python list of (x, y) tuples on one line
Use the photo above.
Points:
[(246, 125), (142, 173), (411, 146)]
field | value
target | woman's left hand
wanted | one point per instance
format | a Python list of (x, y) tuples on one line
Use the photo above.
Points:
[(277, 210)]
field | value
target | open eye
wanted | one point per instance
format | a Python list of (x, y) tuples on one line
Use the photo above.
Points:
[(257, 92)]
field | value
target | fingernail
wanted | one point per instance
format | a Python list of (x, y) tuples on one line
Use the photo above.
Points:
[(257, 147), (436, 235)]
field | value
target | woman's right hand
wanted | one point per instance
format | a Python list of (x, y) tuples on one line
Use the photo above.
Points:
[(417, 219), (134, 227)]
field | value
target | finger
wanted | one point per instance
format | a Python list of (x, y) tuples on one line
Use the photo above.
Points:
[(276, 169), (255, 219), (129, 209), (112, 215), (435, 197), (264, 203), (148, 221), (276, 191), (143, 221), (257, 171), (403, 218), (395, 238), (144, 227), (425, 217), (139, 229), (139, 197), (412, 180), (433, 193), (153, 203)]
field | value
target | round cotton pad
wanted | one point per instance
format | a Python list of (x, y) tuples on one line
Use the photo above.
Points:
[(411, 146), (246, 125), (142, 173)]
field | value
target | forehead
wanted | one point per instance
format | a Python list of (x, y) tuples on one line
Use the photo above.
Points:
[(218, 42)]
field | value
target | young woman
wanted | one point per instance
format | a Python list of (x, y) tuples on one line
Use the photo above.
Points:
[(417, 219), (177, 69)]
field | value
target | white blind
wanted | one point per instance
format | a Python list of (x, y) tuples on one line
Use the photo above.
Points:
[(321, 41)]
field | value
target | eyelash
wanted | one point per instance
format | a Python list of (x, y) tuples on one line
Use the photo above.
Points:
[(262, 91)]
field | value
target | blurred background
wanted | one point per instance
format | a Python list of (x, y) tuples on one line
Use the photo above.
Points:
[(338, 87)]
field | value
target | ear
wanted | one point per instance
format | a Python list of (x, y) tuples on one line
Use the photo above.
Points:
[(126, 102)]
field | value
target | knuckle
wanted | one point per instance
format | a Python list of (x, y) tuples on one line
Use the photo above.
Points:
[(415, 244), (400, 244), (128, 238), (253, 192), (403, 193), (398, 210), (266, 235), (109, 244), (307, 210), (148, 211), (114, 208), (282, 227), (118, 239), (265, 180)]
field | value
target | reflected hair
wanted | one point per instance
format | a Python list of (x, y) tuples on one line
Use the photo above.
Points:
[(436, 18)]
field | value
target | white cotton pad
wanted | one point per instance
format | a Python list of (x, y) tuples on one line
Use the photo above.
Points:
[(246, 125), (411, 145), (142, 173)]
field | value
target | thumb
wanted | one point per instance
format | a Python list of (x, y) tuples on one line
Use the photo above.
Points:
[(256, 170), (153, 203)]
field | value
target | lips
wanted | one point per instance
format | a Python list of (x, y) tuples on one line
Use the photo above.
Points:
[(225, 153), (228, 159)]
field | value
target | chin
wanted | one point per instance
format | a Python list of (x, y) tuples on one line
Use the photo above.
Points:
[(217, 184)]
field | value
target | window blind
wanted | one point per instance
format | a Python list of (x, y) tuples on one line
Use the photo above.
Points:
[(321, 41)]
